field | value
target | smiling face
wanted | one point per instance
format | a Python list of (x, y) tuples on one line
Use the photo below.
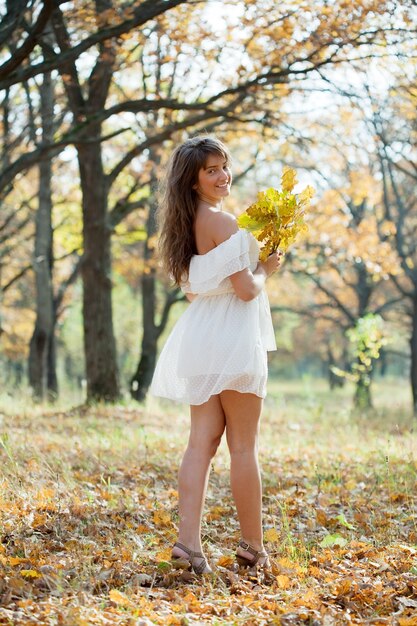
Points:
[(214, 179)]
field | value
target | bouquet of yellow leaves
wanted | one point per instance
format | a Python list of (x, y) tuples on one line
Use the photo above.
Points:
[(277, 217)]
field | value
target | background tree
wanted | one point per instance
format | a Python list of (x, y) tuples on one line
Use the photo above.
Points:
[(41, 365), (394, 123), (235, 82)]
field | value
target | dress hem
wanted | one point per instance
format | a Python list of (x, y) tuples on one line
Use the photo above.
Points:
[(187, 401)]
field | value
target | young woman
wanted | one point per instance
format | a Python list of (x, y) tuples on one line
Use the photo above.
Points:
[(215, 359)]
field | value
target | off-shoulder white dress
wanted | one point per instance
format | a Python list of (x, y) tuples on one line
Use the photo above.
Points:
[(220, 342)]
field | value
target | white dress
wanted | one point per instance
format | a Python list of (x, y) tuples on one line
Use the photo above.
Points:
[(220, 342)]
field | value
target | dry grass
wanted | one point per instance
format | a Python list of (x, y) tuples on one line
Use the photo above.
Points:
[(88, 512)]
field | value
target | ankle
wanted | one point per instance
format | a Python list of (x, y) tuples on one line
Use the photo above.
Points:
[(194, 545), (256, 544)]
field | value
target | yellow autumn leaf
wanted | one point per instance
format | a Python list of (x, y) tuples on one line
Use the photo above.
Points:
[(288, 178), (119, 598), (164, 555), (30, 573), (284, 582), (407, 621), (309, 600), (162, 518), (225, 561), (216, 513), (142, 529), (271, 535), (306, 195), (343, 587)]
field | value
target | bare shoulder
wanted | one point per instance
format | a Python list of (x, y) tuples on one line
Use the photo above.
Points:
[(222, 226)]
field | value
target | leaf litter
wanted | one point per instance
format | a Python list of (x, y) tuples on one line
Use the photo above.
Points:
[(88, 513)]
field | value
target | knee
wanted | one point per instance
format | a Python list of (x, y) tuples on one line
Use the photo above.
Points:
[(247, 447), (214, 444), (206, 447)]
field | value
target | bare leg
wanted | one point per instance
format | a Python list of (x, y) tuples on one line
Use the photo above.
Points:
[(207, 427), (243, 411)]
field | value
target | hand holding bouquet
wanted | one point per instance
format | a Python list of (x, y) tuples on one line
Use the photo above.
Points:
[(277, 217)]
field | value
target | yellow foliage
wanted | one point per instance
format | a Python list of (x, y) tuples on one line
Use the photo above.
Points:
[(277, 217)]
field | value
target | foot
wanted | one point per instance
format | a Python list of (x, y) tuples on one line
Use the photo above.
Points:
[(249, 557), (183, 557)]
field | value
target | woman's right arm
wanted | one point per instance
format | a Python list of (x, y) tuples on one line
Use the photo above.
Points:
[(248, 285)]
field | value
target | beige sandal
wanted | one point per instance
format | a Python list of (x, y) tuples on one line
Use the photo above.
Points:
[(244, 561), (180, 562)]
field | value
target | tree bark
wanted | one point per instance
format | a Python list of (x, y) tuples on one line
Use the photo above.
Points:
[(41, 341), (142, 378), (52, 380), (363, 396), (362, 399), (99, 340), (413, 354)]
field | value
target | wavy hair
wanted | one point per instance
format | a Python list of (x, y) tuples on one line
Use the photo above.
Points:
[(177, 210)]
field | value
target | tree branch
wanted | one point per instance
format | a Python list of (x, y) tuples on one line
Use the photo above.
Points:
[(142, 13), (30, 42)]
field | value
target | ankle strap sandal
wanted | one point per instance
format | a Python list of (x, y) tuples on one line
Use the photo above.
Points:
[(180, 562), (245, 561)]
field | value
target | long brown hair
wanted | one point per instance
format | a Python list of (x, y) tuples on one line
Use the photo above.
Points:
[(177, 210)]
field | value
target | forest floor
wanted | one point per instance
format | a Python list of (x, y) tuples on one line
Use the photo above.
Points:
[(88, 513)]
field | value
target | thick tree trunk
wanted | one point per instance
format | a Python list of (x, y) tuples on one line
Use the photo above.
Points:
[(41, 341), (99, 341), (413, 353)]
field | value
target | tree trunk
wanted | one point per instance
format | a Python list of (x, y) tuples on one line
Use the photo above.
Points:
[(333, 379), (41, 340), (52, 380), (413, 354), (363, 398), (142, 378), (383, 362), (99, 341)]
